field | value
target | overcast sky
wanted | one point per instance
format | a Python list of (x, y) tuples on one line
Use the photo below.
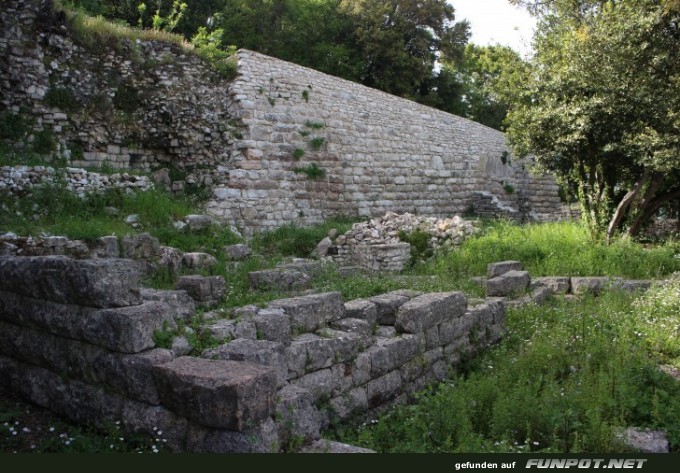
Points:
[(497, 21)]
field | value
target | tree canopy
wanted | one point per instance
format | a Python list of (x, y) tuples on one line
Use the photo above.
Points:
[(600, 106)]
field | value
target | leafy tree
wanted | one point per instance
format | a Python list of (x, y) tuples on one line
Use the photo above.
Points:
[(400, 40), (601, 106)]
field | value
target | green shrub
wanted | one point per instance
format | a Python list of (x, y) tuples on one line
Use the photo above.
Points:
[(62, 98), (298, 154), (317, 142), (13, 127), (127, 99), (44, 141), (420, 244), (312, 171)]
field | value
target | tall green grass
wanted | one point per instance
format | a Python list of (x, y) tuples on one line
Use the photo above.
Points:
[(566, 378), (554, 249)]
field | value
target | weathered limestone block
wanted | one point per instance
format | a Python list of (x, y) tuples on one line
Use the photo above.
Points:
[(498, 269), (630, 285), (559, 285), (387, 306), (228, 329), (237, 252), (105, 247), (356, 326), (361, 368), (124, 330), (198, 260), (171, 259), (390, 354), (362, 309), (215, 393), (590, 285), (427, 311), (94, 283), (541, 294), (382, 389), (322, 248), (75, 400), (181, 346), (322, 383), (138, 417), (307, 266), (510, 283), (198, 222), (352, 402), (272, 325), (310, 313), (310, 352), (449, 331), (329, 446), (262, 438), (279, 279), (127, 374), (180, 303), (203, 289), (297, 415), (482, 315), (144, 247), (260, 352)]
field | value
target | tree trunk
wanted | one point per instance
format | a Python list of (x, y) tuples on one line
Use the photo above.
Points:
[(621, 209), (651, 208)]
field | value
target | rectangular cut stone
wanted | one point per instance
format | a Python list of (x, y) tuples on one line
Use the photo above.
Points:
[(429, 310), (272, 325), (130, 375), (387, 306), (589, 285), (214, 393), (511, 283), (99, 283), (382, 389), (362, 309), (310, 313), (498, 269), (261, 352), (125, 329), (559, 285)]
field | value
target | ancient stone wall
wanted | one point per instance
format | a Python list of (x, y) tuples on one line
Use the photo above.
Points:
[(79, 340), (279, 144)]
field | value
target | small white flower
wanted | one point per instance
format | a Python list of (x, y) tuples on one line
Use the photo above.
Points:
[(51, 429), (160, 432)]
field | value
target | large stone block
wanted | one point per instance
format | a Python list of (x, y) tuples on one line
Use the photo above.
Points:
[(143, 246), (203, 289), (180, 303), (429, 310), (353, 401), (322, 383), (390, 354), (382, 389), (511, 283), (259, 438), (297, 417), (237, 252), (310, 352), (99, 283), (500, 268), (356, 326), (279, 279), (590, 285), (227, 330), (140, 418), (387, 306), (362, 309), (130, 375), (215, 393), (310, 313), (559, 285), (272, 325), (260, 352), (125, 330)]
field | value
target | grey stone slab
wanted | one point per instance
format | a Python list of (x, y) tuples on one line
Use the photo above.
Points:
[(559, 285), (590, 285), (237, 252), (228, 329), (362, 309), (180, 303), (272, 325), (297, 417), (262, 352), (511, 283), (429, 310), (215, 393), (102, 283), (502, 267), (260, 438), (384, 388), (387, 306), (310, 313)]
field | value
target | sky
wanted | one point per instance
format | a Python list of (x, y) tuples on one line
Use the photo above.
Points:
[(497, 21)]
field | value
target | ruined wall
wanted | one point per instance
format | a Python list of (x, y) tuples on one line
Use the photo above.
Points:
[(107, 100), (280, 143), (379, 153), (79, 340)]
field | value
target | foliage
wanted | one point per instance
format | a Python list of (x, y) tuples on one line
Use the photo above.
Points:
[(312, 171), (566, 378), (126, 99), (44, 141), (13, 127), (62, 98), (420, 243), (599, 107), (298, 154), (208, 47)]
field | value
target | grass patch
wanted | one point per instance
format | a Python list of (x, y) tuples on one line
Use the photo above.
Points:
[(554, 249), (293, 240), (312, 171), (566, 378), (62, 98)]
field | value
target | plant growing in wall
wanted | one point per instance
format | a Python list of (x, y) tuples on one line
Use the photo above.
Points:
[(62, 98), (317, 142), (313, 171), (505, 157), (298, 153), (508, 188)]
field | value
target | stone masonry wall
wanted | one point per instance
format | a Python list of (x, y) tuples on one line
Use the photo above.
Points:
[(126, 104), (79, 340), (379, 152), (156, 106)]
